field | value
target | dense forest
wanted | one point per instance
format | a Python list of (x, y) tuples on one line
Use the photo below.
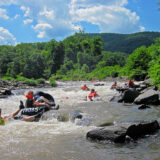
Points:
[(84, 57), (126, 43)]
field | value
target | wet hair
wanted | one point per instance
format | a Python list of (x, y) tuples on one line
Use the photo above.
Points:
[(30, 92), (92, 90)]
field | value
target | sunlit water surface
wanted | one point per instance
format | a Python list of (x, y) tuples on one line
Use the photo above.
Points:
[(50, 139)]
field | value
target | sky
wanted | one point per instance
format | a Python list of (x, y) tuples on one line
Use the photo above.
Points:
[(29, 21)]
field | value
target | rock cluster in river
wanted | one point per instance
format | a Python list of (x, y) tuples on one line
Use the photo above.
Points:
[(143, 95), (6, 87)]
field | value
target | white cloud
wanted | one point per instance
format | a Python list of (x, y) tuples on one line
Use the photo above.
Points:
[(3, 13), (28, 21), (26, 10), (16, 16), (7, 2), (113, 17), (142, 29), (47, 14), (57, 18), (6, 38), (42, 29), (42, 26)]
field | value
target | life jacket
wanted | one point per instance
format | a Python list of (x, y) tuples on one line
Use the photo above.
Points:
[(84, 88), (92, 94), (29, 97), (130, 84)]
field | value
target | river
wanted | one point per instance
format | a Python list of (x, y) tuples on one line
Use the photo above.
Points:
[(50, 139)]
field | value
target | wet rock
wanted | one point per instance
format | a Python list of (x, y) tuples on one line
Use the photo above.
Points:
[(140, 130), (63, 117), (149, 97), (143, 106), (107, 123), (76, 114), (118, 134), (129, 96), (113, 134), (99, 84)]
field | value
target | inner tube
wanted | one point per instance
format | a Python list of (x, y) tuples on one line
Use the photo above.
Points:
[(49, 99), (34, 111)]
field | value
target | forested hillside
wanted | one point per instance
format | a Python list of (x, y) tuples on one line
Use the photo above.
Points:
[(126, 43), (82, 56)]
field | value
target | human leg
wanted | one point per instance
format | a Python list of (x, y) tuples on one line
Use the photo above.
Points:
[(21, 106), (33, 118)]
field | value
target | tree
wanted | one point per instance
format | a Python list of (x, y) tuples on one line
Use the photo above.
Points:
[(96, 46), (137, 63), (34, 67)]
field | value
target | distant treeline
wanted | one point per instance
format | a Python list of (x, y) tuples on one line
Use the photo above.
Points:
[(126, 43), (83, 56)]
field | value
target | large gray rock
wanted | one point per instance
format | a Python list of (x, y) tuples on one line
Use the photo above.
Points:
[(140, 130), (122, 134), (149, 97), (129, 96), (113, 134)]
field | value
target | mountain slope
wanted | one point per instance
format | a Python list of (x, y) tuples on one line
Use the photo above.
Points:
[(126, 42)]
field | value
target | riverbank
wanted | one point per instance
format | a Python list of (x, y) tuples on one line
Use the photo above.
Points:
[(6, 87)]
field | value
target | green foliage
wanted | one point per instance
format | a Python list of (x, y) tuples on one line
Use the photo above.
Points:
[(126, 43), (115, 58), (154, 72), (8, 78), (30, 82), (40, 81), (137, 63), (82, 56), (52, 81)]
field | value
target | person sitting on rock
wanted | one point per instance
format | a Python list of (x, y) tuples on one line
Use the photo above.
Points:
[(131, 84)]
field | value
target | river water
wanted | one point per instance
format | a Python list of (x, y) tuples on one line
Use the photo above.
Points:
[(50, 139)]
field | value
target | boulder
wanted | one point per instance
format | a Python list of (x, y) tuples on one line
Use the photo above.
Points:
[(77, 114), (149, 97), (119, 134), (140, 130), (129, 96), (143, 106), (113, 134)]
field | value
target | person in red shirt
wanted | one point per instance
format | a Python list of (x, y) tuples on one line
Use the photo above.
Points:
[(85, 88), (131, 84), (92, 95)]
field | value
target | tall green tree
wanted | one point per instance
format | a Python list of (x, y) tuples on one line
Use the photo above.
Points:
[(138, 63)]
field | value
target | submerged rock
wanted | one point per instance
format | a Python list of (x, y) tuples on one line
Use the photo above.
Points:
[(143, 106)]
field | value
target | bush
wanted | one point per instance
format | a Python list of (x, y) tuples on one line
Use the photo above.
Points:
[(52, 81), (40, 81), (8, 78), (30, 82)]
